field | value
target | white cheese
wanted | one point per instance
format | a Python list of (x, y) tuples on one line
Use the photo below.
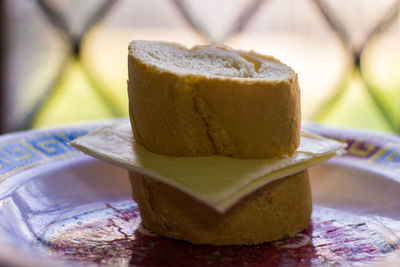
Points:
[(215, 180)]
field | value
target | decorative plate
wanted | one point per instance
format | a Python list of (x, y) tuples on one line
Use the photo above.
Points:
[(61, 207)]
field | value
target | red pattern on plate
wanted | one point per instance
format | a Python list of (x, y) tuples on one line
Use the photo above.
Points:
[(112, 235)]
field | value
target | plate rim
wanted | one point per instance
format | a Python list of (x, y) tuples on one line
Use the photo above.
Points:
[(381, 151), (387, 142)]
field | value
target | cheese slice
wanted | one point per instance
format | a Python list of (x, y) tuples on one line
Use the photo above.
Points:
[(217, 181)]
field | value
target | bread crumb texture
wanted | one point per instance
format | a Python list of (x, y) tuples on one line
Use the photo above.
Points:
[(212, 100)]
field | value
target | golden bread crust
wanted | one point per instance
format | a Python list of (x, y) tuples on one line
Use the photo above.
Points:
[(281, 208), (198, 115)]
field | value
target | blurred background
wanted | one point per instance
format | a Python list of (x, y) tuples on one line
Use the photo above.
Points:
[(65, 61)]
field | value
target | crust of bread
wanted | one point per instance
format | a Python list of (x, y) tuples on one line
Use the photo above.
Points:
[(281, 208), (186, 114)]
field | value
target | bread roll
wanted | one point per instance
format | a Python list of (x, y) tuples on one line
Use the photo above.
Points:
[(212, 100), (281, 208)]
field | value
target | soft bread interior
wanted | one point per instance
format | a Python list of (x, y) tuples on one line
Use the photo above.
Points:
[(210, 61)]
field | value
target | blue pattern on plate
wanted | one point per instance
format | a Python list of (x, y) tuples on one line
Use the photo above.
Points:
[(5, 167), (34, 148), (50, 146), (18, 154), (390, 157)]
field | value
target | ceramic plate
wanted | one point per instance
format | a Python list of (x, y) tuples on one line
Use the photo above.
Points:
[(59, 206)]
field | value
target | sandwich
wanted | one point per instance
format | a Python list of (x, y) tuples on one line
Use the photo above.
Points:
[(213, 147)]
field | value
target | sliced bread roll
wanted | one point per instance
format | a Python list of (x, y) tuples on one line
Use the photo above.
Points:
[(281, 208), (212, 100)]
